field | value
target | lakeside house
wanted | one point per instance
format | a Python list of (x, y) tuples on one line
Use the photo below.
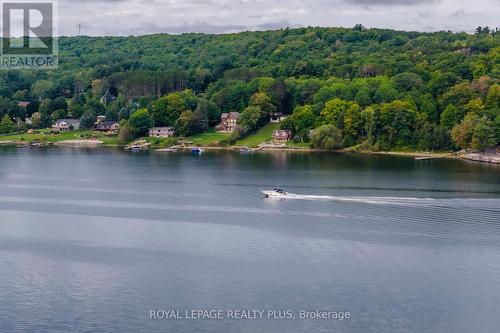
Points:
[(107, 126), (161, 132), (62, 125), (282, 136), (277, 117), (228, 123), (107, 98)]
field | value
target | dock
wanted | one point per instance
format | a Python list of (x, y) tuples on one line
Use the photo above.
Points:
[(423, 158)]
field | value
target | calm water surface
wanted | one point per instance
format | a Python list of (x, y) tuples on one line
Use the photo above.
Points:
[(92, 240)]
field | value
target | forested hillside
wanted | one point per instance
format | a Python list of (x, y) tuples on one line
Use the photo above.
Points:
[(381, 89)]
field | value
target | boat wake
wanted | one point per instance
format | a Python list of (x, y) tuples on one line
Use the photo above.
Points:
[(402, 201)]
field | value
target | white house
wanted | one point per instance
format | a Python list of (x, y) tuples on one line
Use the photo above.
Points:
[(277, 117), (66, 125), (161, 132)]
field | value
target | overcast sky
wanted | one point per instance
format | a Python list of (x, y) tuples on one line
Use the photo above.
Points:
[(138, 17)]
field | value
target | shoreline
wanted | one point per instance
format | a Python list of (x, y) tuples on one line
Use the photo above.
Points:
[(94, 144), (101, 144), (429, 155)]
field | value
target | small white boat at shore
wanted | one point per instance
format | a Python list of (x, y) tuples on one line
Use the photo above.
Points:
[(138, 146)]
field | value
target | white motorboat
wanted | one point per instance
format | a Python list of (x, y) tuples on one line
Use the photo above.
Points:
[(276, 193)]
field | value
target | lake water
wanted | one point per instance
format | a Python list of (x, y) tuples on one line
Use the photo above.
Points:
[(93, 240)]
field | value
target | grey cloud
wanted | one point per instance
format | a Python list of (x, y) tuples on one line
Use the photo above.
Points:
[(391, 2), (136, 17), (275, 25), (463, 13), (203, 27)]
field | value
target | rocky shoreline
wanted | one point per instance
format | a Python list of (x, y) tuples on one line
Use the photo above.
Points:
[(480, 157), (79, 143)]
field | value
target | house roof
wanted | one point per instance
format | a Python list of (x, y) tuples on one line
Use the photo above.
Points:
[(68, 121), (23, 104), (161, 129), (109, 123), (107, 97), (232, 114)]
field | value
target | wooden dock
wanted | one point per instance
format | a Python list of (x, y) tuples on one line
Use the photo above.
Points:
[(423, 158)]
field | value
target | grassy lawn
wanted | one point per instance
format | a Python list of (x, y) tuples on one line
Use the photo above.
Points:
[(46, 136), (210, 138), (299, 144), (262, 135), (159, 142)]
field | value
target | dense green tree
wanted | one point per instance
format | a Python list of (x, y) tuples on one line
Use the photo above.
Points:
[(408, 81), (113, 109), (385, 91), (462, 133), (58, 114), (75, 110), (363, 97), (484, 134), (343, 114), (43, 120), (9, 107), (44, 106), (326, 137), (140, 122), (201, 116), (428, 107), (398, 121), (496, 128), (249, 118), (476, 106), (186, 124), (451, 116), (42, 88), (230, 96), (433, 137), (262, 101), (370, 118), (7, 125), (440, 82), (493, 98), (58, 104), (303, 119), (87, 120), (94, 107), (167, 109), (125, 133)]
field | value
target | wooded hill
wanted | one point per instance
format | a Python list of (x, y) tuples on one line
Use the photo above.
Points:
[(376, 87)]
